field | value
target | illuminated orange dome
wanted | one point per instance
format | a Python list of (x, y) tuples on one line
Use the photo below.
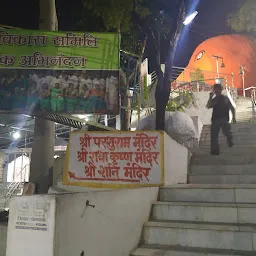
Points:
[(236, 51)]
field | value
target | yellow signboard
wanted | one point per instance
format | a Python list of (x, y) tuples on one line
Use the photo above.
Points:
[(115, 159)]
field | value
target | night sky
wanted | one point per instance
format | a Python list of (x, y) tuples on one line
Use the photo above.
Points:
[(210, 22)]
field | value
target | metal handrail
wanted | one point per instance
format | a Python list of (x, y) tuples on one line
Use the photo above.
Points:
[(206, 71), (178, 70), (196, 81), (253, 108), (13, 186), (18, 174)]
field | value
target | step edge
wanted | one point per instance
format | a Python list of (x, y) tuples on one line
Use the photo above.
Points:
[(210, 186), (228, 227), (231, 165), (205, 204), (184, 249), (224, 174)]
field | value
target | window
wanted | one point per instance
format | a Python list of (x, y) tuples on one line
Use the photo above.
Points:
[(199, 55)]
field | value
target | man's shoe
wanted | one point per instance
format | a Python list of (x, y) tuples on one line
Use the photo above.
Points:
[(215, 153)]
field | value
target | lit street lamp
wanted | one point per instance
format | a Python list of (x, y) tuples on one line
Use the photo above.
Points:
[(16, 135), (190, 18)]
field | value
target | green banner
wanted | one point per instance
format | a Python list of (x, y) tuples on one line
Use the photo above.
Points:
[(59, 72), (59, 50)]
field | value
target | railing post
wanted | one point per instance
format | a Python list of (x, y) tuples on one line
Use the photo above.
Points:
[(232, 74), (253, 107)]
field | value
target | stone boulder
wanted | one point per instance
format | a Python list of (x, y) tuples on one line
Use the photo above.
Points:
[(178, 125)]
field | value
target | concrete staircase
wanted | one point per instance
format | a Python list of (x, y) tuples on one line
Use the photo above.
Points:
[(244, 110), (215, 215), (232, 166)]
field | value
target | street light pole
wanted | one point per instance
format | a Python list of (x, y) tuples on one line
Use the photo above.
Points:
[(242, 68), (217, 63), (233, 79)]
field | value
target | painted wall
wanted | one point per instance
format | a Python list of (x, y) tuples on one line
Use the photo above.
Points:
[(113, 227), (235, 50)]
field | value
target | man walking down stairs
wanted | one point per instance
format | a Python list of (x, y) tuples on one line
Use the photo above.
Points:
[(214, 215)]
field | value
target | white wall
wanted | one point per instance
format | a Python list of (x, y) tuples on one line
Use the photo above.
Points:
[(198, 125), (58, 169), (201, 111), (176, 161), (61, 189), (3, 236), (30, 240), (112, 228)]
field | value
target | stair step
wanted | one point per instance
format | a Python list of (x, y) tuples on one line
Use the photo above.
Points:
[(215, 236), (204, 212), (238, 138), (244, 134), (250, 142), (233, 193), (236, 151), (248, 169), (244, 115), (222, 179), (235, 130), (224, 148), (247, 141), (215, 214), (239, 127), (147, 250), (223, 160)]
